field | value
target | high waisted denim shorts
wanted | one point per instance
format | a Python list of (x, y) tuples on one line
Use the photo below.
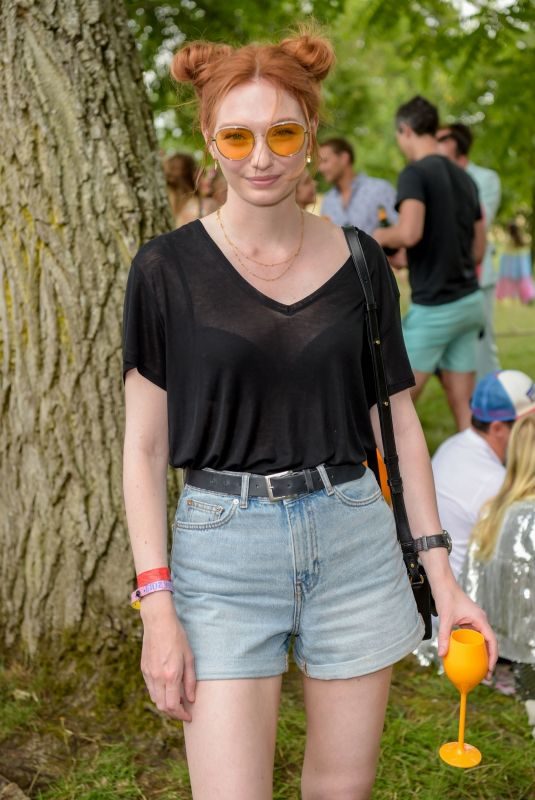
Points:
[(323, 570)]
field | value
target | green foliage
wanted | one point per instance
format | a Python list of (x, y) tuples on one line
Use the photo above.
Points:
[(474, 61)]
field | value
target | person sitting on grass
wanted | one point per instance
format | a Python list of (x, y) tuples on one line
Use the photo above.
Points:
[(499, 571), (469, 467)]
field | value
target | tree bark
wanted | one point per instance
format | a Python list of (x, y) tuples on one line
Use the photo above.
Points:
[(81, 187)]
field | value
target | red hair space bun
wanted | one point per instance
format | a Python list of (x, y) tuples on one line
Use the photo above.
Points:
[(314, 53), (296, 65), (193, 62)]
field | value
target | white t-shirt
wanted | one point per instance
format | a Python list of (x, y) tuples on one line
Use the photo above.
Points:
[(467, 473)]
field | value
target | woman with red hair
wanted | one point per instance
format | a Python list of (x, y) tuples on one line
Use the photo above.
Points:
[(246, 365)]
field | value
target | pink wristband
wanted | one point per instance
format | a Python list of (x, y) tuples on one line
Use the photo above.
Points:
[(149, 588)]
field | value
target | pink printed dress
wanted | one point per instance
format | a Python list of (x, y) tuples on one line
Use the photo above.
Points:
[(515, 278)]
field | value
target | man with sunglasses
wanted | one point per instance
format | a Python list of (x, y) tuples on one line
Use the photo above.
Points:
[(440, 223), (354, 198), (455, 142)]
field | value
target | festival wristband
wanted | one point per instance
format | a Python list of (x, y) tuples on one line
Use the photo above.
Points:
[(157, 586), (152, 575)]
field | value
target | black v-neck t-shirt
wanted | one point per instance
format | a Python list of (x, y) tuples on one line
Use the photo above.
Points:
[(252, 384), (441, 265)]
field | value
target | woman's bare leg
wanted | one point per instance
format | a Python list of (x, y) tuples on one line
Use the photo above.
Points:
[(344, 725), (230, 742)]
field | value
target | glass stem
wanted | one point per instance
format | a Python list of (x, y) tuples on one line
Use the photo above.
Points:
[(462, 719)]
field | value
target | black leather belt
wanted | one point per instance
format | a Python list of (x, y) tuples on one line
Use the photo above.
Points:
[(277, 486)]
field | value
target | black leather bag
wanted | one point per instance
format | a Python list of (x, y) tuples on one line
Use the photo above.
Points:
[(416, 573)]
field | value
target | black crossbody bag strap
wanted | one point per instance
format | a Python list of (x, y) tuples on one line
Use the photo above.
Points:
[(385, 412)]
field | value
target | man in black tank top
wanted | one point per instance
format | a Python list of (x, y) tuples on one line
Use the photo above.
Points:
[(440, 223)]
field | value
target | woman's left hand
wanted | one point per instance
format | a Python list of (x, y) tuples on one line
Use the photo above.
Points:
[(455, 608)]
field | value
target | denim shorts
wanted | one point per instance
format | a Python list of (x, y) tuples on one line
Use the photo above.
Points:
[(321, 570), (445, 336)]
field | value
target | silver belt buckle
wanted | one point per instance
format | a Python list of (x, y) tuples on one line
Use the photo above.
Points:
[(270, 488)]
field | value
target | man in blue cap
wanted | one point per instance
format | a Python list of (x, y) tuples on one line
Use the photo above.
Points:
[(469, 467)]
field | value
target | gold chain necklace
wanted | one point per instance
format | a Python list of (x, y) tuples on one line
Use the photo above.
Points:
[(238, 253)]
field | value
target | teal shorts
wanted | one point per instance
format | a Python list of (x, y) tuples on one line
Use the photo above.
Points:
[(444, 336)]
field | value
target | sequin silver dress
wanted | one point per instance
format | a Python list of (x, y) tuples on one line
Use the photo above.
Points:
[(504, 586)]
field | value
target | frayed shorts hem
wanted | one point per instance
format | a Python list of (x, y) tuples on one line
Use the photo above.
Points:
[(367, 664)]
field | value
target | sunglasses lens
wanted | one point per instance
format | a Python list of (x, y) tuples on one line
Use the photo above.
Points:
[(235, 143), (286, 139)]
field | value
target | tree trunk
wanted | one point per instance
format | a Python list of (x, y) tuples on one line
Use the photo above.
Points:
[(81, 187)]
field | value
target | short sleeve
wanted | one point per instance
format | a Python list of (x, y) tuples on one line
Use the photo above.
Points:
[(410, 186), (398, 370), (143, 325)]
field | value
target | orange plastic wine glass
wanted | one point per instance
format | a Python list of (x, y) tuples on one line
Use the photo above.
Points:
[(465, 664)]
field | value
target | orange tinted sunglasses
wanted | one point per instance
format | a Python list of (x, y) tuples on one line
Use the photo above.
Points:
[(284, 139)]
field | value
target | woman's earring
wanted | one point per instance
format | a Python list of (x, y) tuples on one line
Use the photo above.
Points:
[(309, 159), (216, 165)]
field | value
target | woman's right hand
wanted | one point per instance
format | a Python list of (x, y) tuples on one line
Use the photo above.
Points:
[(167, 661)]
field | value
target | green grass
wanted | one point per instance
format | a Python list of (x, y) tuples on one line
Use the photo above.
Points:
[(79, 732), (19, 706), (424, 713), (124, 752), (110, 775)]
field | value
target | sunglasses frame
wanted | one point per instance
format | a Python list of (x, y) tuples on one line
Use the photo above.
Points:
[(306, 132)]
